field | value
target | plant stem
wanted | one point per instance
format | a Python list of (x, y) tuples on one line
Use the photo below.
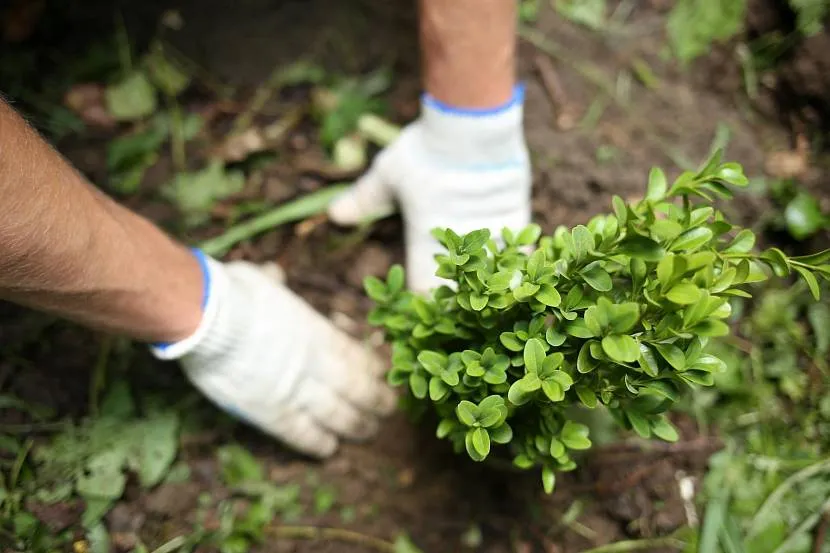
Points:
[(300, 208), (331, 534), (636, 545), (177, 136), (171, 545)]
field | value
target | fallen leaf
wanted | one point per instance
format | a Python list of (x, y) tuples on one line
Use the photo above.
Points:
[(132, 98)]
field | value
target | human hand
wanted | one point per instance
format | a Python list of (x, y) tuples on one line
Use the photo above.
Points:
[(264, 355), (462, 169)]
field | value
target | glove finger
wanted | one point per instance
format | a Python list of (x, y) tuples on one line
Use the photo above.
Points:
[(351, 372), (301, 431), (334, 413), (369, 197)]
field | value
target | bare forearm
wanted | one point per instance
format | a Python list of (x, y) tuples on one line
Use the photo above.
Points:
[(67, 248), (469, 51)]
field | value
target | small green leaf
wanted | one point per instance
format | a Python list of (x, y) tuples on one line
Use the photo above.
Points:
[(554, 338), (475, 240), (743, 242), (803, 216), (656, 185), (639, 423), (529, 235), (664, 429), (502, 434), (478, 301), (585, 363), (583, 241), (621, 347), (481, 442), (672, 354), (692, 239), (700, 215), (647, 361), (575, 435), (534, 355), (810, 280), (586, 396), (710, 328), (132, 98), (467, 412), (641, 248), (597, 278), (548, 295), (684, 293), (418, 385), (548, 479), (438, 389), (510, 341), (553, 390), (620, 210), (433, 362), (375, 289)]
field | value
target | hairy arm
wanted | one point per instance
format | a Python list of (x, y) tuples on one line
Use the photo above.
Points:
[(68, 249), (469, 51)]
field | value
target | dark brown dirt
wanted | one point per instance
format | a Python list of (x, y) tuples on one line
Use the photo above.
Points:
[(405, 480)]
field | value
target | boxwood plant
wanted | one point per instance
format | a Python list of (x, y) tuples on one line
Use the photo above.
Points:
[(615, 313)]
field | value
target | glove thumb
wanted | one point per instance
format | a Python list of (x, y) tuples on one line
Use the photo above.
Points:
[(368, 198)]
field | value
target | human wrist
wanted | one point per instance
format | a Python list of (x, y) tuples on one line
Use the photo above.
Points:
[(212, 284)]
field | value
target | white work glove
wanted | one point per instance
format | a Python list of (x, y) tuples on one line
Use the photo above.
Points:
[(452, 168), (263, 354)]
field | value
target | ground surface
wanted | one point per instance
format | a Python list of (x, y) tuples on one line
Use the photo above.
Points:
[(405, 480)]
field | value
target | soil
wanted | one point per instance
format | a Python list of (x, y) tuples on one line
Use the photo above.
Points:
[(405, 480)]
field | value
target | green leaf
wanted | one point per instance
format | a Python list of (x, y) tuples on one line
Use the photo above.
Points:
[(597, 278), (168, 76), (584, 362), (499, 282), (418, 385), (475, 240), (684, 293), (478, 301), (579, 329), (502, 434), (575, 435), (548, 295), (522, 390), (132, 98), (639, 423), (590, 13), (467, 412), (692, 239), (553, 390), (710, 328), (529, 235), (548, 479), (480, 441), (810, 280), (159, 445), (438, 389), (819, 316), (656, 185), (534, 355), (700, 215), (777, 261), (195, 193), (664, 429), (510, 341), (647, 361), (395, 279), (803, 216), (662, 388), (375, 289), (525, 291), (554, 338), (672, 354), (621, 347), (586, 396), (103, 477), (535, 263), (743, 242), (814, 259), (620, 210), (641, 248), (238, 465), (583, 241), (433, 362)]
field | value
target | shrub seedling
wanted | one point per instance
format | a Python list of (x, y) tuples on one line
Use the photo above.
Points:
[(615, 313)]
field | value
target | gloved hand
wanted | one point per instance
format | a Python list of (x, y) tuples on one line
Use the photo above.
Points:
[(456, 168), (264, 355)]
